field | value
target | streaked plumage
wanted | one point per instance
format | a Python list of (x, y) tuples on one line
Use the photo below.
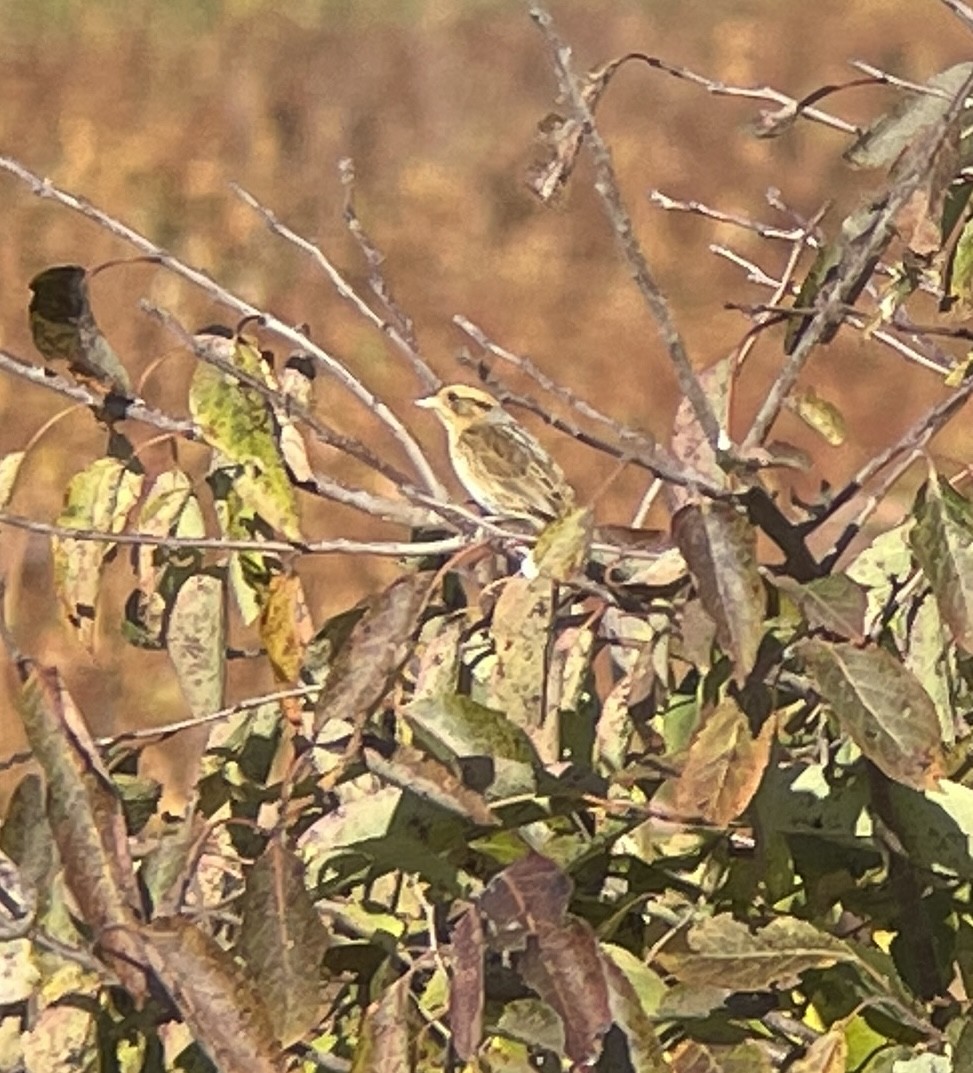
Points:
[(499, 463)]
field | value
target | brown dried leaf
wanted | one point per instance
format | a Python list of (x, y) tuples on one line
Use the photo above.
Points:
[(9, 468), (283, 942), (724, 766), (919, 221), (689, 443), (383, 1044), (379, 644), (466, 996), (218, 1001), (689, 1056), (720, 548), (560, 139), (528, 895), (86, 819), (285, 626), (564, 965), (827, 1054)]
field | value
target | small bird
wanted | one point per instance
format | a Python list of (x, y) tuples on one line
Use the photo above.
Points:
[(499, 463)]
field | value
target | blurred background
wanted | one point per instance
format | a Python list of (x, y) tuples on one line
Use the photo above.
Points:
[(151, 109)]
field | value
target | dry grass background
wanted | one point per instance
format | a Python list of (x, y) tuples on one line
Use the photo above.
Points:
[(150, 109)]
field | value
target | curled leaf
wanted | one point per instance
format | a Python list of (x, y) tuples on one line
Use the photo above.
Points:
[(64, 328)]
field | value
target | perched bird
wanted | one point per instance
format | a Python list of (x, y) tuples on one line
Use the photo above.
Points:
[(499, 463)]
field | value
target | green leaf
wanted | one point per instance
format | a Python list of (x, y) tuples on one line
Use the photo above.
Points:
[(723, 952), (961, 268), (819, 414), (634, 991), (238, 422), (454, 727), (882, 706), (520, 633), (197, 642), (97, 499), (169, 509), (834, 603), (563, 547), (942, 540)]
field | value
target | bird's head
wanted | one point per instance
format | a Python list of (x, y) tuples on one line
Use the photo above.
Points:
[(458, 405)]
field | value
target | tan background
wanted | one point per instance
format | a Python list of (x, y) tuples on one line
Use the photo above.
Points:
[(150, 109)]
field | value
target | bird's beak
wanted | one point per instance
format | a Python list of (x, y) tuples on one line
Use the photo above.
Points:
[(428, 403)]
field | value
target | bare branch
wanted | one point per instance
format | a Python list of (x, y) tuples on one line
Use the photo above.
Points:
[(607, 187), (338, 546), (698, 208), (44, 188), (136, 410), (789, 107), (428, 379), (833, 298), (636, 447), (963, 12)]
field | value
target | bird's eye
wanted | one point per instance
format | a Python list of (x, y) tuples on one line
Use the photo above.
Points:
[(452, 398)]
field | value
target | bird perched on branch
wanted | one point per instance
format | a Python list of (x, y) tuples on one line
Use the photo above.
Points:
[(499, 463)]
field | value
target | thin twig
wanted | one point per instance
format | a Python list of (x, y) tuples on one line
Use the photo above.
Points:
[(374, 258), (136, 410), (792, 107), (871, 504), (153, 735), (915, 439), (699, 208), (275, 398), (833, 297), (961, 11), (637, 448), (607, 187), (345, 290), (565, 394), (887, 79), (337, 546), (44, 188)]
